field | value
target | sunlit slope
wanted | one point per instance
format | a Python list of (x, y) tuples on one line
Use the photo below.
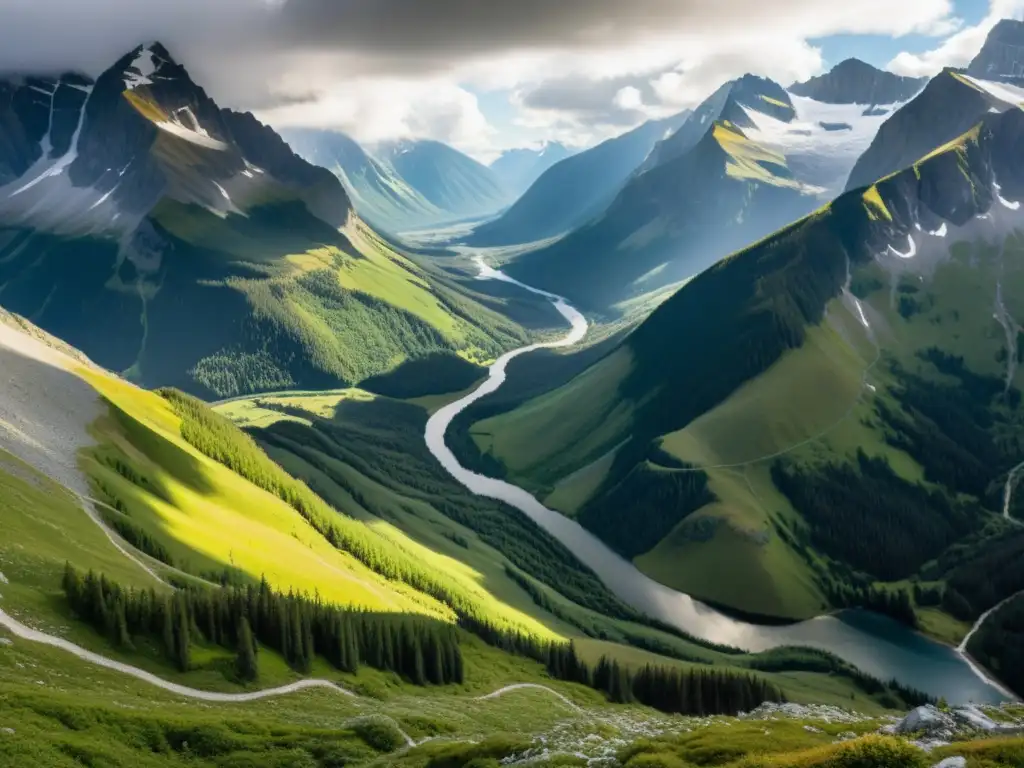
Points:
[(211, 520), (877, 339), (158, 471)]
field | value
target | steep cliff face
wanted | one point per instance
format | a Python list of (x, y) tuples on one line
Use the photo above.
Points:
[(950, 104), (84, 157), (1002, 56)]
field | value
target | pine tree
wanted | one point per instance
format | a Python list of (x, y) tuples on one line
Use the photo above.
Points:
[(182, 639), (245, 663)]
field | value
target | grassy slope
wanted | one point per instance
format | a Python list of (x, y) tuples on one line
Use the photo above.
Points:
[(402, 511), (65, 713), (274, 300), (400, 507), (211, 519), (561, 432), (61, 709)]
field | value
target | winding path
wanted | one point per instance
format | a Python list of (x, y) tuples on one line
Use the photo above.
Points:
[(25, 632), (530, 686), (962, 648), (1011, 485)]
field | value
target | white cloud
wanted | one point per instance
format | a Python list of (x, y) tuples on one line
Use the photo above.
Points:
[(372, 110), (958, 49), (388, 68), (629, 98)]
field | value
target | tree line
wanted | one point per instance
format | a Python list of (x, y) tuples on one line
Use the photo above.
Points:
[(669, 689), (299, 628), (894, 603)]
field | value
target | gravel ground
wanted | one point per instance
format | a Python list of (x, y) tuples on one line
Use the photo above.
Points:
[(44, 409)]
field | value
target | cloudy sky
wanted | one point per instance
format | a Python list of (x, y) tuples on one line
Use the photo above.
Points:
[(485, 75)]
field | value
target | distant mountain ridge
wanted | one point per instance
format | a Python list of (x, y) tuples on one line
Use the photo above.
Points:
[(519, 168), (594, 176), (856, 82), (380, 195), (447, 178), (750, 159)]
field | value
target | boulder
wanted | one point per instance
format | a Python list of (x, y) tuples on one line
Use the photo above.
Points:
[(927, 719), (952, 762), (975, 719)]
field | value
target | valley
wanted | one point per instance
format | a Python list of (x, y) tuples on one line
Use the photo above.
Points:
[(361, 408)]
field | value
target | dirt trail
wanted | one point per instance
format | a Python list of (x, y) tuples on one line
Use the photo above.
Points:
[(529, 686)]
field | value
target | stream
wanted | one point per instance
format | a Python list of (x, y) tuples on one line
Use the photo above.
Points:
[(875, 644)]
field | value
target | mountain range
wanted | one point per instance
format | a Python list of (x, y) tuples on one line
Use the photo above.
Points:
[(408, 184), (519, 168), (379, 194), (751, 158), (772, 473), (846, 418), (596, 175), (184, 244)]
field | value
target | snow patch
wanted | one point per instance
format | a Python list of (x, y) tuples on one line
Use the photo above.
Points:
[(104, 197), (144, 66), (64, 160), (184, 124), (1013, 206), (860, 312), (1011, 94), (824, 156), (911, 252), (942, 231), (200, 139)]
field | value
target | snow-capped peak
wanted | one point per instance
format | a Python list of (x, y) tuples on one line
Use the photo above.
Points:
[(141, 69)]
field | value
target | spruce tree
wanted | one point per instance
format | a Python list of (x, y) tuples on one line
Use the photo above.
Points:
[(182, 639), (245, 663)]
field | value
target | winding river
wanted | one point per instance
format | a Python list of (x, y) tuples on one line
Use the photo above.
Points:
[(875, 644)]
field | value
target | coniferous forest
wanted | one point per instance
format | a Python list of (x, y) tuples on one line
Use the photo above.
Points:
[(422, 651)]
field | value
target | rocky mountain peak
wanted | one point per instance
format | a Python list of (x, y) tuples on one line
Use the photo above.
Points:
[(1002, 56), (853, 81)]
